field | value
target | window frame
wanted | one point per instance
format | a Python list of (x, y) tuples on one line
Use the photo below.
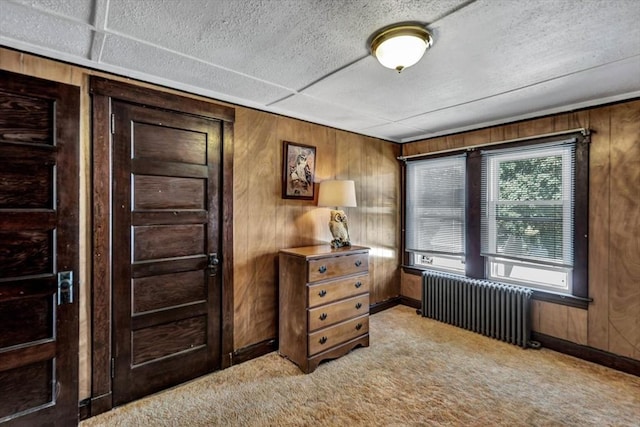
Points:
[(565, 149), (409, 256), (476, 264)]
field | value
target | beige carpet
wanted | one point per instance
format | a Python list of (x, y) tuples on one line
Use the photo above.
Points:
[(416, 372)]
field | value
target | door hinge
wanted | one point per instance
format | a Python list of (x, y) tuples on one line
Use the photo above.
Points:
[(113, 124), (113, 368)]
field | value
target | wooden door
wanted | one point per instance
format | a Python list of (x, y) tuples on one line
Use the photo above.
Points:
[(39, 128), (166, 287)]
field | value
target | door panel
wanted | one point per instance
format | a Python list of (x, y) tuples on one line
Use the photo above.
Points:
[(26, 186), (25, 387), (159, 192), (168, 241), (166, 174), (152, 293), (168, 338), (39, 126), (167, 144)]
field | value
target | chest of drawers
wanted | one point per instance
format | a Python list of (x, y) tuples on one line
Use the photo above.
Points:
[(324, 303)]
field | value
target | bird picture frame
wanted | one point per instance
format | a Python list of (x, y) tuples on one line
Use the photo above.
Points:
[(298, 171)]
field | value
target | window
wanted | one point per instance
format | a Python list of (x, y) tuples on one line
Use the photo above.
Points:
[(435, 210), (514, 212), (527, 215)]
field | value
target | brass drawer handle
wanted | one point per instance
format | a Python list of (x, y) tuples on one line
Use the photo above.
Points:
[(323, 316), (323, 340), (358, 263), (358, 306), (358, 326), (358, 284), (322, 293), (322, 269)]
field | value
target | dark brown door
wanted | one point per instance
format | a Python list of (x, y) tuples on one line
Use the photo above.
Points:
[(167, 296), (39, 122)]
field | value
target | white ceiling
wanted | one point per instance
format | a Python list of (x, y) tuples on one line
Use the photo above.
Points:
[(492, 61)]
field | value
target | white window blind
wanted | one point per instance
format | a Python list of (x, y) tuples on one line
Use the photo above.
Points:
[(527, 204), (435, 206)]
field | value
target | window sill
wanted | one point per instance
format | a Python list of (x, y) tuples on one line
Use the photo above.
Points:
[(569, 300), (538, 295)]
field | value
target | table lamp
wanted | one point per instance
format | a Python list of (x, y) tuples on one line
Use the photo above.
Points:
[(338, 193)]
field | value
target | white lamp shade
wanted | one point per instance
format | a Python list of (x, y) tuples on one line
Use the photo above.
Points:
[(339, 193), (401, 52)]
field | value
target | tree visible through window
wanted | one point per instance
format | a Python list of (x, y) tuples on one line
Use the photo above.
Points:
[(512, 213), (528, 215)]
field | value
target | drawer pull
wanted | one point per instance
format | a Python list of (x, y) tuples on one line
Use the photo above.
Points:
[(323, 316), (358, 306), (322, 269), (323, 340), (358, 284), (322, 293), (358, 326), (358, 263)]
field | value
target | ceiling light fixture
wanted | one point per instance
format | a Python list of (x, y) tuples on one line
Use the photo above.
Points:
[(400, 46)]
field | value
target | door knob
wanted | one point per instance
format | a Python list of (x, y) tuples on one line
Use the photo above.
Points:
[(214, 262), (65, 287)]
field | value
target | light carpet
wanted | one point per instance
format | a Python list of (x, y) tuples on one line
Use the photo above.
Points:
[(417, 371)]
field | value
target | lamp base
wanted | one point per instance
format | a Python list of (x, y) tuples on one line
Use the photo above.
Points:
[(339, 229)]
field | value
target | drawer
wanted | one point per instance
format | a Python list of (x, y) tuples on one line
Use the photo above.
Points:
[(329, 337), (328, 268), (327, 315), (324, 293)]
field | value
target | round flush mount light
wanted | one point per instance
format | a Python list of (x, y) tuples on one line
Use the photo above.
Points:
[(400, 46)]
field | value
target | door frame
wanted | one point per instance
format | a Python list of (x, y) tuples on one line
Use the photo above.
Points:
[(103, 91)]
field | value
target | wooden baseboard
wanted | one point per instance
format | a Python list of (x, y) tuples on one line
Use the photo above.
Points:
[(392, 302), (84, 409), (252, 351), (410, 302), (383, 305), (601, 357), (225, 361), (100, 404)]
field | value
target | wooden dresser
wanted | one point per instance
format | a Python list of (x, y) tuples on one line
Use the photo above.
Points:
[(324, 303)]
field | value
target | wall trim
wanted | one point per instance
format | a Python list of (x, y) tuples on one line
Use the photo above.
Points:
[(84, 409), (253, 351), (590, 354), (568, 300), (383, 305), (410, 302), (100, 404), (538, 295)]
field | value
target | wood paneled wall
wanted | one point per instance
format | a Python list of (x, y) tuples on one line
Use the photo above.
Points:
[(612, 319), (263, 221)]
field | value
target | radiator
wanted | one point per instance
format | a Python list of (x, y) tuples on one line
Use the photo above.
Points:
[(493, 309)]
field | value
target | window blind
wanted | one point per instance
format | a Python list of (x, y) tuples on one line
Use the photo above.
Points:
[(527, 203), (435, 205)]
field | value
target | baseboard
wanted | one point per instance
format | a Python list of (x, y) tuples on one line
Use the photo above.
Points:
[(410, 302), (100, 404), (84, 409), (252, 351), (383, 305), (392, 302), (601, 357), (225, 361)]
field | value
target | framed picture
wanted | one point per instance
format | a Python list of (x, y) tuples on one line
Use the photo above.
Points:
[(299, 169)]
